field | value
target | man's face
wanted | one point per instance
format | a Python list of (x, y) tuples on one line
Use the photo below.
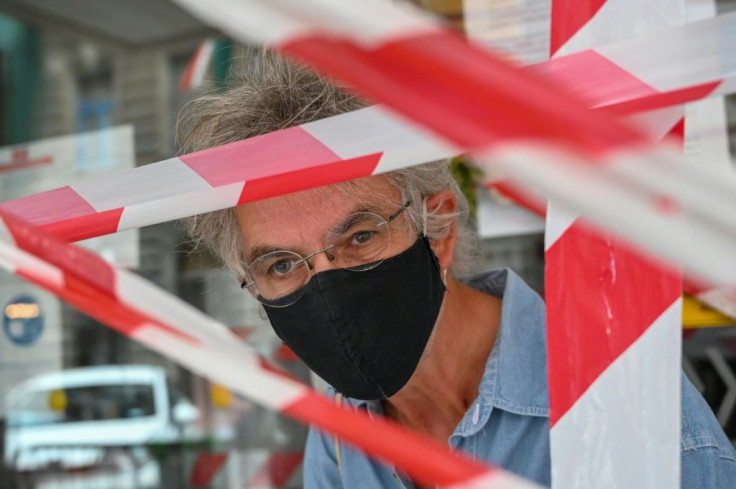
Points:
[(301, 222)]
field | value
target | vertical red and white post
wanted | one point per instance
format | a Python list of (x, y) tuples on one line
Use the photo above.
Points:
[(614, 314)]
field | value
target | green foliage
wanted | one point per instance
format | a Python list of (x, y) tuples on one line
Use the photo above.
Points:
[(468, 177)]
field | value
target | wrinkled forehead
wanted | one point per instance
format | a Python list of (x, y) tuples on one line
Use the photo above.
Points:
[(305, 217)]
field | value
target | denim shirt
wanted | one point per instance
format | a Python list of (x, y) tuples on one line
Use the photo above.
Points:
[(507, 424)]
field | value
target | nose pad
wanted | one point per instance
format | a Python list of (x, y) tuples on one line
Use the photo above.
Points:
[(322, 262)]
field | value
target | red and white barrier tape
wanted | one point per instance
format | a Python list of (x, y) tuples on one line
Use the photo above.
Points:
[(596, 140), (216, 179), (384, 70), (175, 329), (613, 315), (193, 75), (325, 149), (110, 204), (101, 207), (461, 92), (673, 65), (721, 299), (352, 145)]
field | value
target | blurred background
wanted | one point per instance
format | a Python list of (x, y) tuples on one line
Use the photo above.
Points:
[(94, 86)]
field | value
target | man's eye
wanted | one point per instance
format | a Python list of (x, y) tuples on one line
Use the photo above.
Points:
[(362, 237), (282, 267)]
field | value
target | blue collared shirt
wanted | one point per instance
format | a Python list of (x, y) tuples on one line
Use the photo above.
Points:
[(508, 423)]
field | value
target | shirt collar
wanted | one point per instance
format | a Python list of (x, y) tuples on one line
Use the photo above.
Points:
[(515, 377)]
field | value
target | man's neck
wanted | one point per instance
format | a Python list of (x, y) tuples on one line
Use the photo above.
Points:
[(448, 377)]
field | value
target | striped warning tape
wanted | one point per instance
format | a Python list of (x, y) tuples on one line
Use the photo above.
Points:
[(383, 65), (194, 73), (477, 90), (175, 329), (352, 145), (461, 92), (109, 204), (131, 200), (722, 299), (673, 65), (410, 69), (620, 304), (595, 141)]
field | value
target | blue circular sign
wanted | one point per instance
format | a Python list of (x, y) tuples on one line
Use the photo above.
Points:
[(23, 320)]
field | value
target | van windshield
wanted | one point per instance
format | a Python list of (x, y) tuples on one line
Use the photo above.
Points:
[(80, 404)]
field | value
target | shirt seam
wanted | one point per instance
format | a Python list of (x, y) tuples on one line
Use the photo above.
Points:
[(506, 404), (697, 443)]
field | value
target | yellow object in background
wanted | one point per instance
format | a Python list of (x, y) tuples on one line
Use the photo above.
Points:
[(695, 314), (58, 400), (221, 396)]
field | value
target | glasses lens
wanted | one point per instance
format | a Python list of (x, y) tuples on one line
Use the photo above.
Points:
[(362, 243), (278, 274)]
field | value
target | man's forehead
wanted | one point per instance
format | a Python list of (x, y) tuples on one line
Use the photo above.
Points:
[(314, 210)]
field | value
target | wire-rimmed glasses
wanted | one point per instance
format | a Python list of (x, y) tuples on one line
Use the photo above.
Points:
[(360, 244)]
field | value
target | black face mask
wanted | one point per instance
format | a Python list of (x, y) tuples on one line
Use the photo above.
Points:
[(364, 332)]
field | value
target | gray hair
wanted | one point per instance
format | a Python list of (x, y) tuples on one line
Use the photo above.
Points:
[(278, 94)]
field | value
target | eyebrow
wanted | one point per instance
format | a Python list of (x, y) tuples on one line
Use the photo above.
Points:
[(342, 226), (262, 250), (350, 220)]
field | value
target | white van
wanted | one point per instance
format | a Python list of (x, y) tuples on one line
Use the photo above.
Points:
[(91, 408)]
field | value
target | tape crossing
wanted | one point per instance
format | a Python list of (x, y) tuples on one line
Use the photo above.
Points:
[(175, 329), (584, 160)]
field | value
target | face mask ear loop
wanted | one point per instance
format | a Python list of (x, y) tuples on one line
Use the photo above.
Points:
[(424, 217)]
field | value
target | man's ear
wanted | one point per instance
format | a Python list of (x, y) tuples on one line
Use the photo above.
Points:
[(444, 203)]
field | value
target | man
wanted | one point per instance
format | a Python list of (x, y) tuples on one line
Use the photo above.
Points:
[(360, 279)]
